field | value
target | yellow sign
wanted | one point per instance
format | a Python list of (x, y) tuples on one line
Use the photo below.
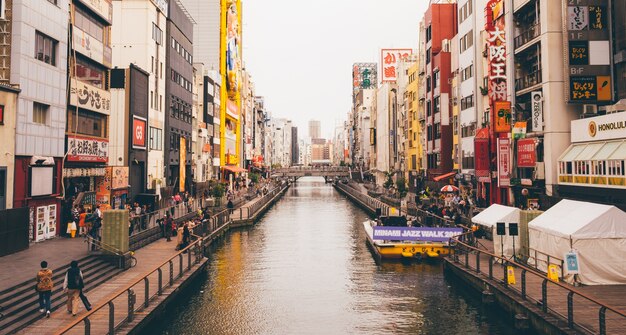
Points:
[(553, 273), (510, 275), (181, 164), (393, 211)]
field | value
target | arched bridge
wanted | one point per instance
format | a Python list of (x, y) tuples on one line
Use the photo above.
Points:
[(312, 171)]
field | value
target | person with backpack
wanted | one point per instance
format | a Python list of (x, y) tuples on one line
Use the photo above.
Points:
[(44, 288), (72, 286)]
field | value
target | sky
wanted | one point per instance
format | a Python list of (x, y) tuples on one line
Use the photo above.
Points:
[(300, 53)]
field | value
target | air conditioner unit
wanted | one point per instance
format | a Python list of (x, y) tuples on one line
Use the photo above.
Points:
[(590, 110)]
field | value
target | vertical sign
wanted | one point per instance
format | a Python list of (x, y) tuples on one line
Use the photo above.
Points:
[(364, 76), (389, 59), (504, 162), (526, 154), (497, 80), (536, 100), (181, 164), (587, 41)]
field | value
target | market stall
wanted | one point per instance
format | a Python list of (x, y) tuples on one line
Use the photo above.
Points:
[(488, 219)]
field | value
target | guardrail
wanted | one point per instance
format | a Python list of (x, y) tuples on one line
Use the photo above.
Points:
[(248, 212), (365, 200), (574, 305)]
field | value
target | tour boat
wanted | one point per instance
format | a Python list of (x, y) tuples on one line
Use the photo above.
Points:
[(390, 238)]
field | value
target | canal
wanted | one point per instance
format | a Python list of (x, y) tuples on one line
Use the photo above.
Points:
[(304, 268)]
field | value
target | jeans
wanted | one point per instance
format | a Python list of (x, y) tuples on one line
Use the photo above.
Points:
[(44, 300)]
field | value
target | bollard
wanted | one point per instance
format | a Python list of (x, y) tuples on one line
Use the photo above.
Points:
[(521, 322), (488, 297)]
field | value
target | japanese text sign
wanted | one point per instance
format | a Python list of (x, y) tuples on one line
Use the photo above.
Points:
[(504, 162), (87, 149), (526, 154), (389, 59)]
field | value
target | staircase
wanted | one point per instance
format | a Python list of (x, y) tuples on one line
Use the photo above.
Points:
[(20, 303)]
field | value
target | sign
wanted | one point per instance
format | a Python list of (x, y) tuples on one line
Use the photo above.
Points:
[(103, 188), (571, 263), (605, 127), (481, 153), (536, 100), (415, 233), (519, 130), (1, 114), (104, 8), (181, 164), (90, 47), (497, 63), (590, 88), (502, 116), (139, 132), (87, 149), (364, 76), (389, 59), (90, 97), (119, 177), (553, 273), (510, 275), (526, 153), (504, 162)]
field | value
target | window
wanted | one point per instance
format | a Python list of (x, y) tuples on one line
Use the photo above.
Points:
[(3, 184), (468, 162), (467, 41), (88, 123), (90, 74), (469, 130), (455, 124), (437, 105), (89, 25), (428, 56), (156, 139), (429, 132), (152, 99), (429, 111), (429, 33), (428, 84), (436, 79), (467, 102), (157, 34), (1, 114), (40, 113), (467, 73), (437, 130), (152, 65), (45, 48)]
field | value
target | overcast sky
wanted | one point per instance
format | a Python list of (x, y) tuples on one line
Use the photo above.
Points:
[(300, 53)]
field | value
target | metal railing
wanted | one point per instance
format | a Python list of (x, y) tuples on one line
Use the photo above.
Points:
[(527, 35), (248, 212), (529, 80), (364, 200), (560, 299), (535, 257)]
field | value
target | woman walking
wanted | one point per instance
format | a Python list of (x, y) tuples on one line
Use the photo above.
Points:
[(72, 285)]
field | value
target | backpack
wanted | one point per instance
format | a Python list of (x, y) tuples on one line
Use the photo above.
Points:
[(74, 280)]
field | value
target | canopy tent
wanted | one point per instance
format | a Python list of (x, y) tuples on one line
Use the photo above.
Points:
[(498, 213), (596, 232)]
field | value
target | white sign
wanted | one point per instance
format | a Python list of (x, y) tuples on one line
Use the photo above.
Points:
[(599, 128), (389, 59), (91, 47), (571, 263), (536, 101), (90, 97)]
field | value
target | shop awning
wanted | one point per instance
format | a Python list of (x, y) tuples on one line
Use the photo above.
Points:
[(233, 168), (596, 151), (443, 176)]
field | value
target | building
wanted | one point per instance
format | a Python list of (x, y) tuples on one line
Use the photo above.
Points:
[(438, 27), (279, 142), (247, 116), (315, 129), (295, 154), (413, 148), (206, 31), (258, 131), (85, 174), (41, 26), (202, 129), (213, 83), (142, 41), (178, 98), (363, 105), (8, 116)]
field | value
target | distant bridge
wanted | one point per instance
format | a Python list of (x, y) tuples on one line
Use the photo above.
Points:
[(311, 171)]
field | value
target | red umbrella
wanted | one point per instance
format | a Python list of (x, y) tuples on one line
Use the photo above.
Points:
[(449, 188)]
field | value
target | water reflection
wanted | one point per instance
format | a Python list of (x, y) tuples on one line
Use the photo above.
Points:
[(305, 269)]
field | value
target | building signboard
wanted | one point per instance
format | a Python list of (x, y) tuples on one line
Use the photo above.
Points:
[(119, 177), (526, 153), (91, 47), (536, 100), (504, 162), (502, 116), (364, 76), (182, 165), (104, 8), (87, 149), (587, 32), (139, 132), (599, 128), (90, 97), (429, 234), (389, 59), (481, 153)]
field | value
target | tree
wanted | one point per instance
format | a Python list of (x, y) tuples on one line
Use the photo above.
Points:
[(388, 179), (254, 177), (401, 186)]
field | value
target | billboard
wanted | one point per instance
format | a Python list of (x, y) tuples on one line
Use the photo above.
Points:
[(415, 233), (139, 132), (389, 59), (87, 149), (364, 76), (526, 153), (504, 162)]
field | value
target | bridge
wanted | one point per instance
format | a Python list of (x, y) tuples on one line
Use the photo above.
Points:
[(312, 171)]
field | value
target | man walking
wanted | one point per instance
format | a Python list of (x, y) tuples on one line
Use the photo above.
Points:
[(168, 226), (72, 285), (44, 288)]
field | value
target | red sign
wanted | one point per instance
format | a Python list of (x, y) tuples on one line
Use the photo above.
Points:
[(139, 132), (1, 114), (481, 153), (502, 116), (504, 162), (526, 153), (87, 149)]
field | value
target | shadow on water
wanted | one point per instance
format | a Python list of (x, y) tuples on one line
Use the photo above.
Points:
[(304, 268)]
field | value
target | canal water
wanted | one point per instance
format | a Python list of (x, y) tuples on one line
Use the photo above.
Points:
[(304, 268)]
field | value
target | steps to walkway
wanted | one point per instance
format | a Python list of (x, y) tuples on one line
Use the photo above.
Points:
[(20, 303)]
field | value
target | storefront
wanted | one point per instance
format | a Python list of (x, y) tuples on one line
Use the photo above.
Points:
[(595, 161)]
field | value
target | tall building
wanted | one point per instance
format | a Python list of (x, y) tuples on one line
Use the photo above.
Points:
[(315, 129), (8, 111), (206, 31), (178, 97), (413, 148), (38, 64), (438, 27), (142, 41), (295, 155), (258, 131)]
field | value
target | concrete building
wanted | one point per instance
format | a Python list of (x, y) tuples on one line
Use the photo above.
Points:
[(315, 129), (363, 105), (380, 152), (247, 116), (202, 130), (279, 142), (142, 41), (213, 83), (178, 98), (401, 123), (40, 27), (295, 154), (413, 148), (258, 131), (8, 116), (206, 31)]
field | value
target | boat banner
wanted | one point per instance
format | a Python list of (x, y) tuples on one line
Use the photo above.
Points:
[(416, 233)]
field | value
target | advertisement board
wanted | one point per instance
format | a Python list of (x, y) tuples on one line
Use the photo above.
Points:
[(599, 128), (502, 116), (119, 177), (415, 233), (504, 162), (481, 153), (181, 164), (389, 59), (364, 76), (526, 153), (536, 101), (90, 46), (87, 149), (139, 132), (90, 97)]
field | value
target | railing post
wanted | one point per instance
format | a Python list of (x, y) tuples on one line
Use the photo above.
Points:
[(189, 259), (544, 296), (524, 284), (87, 326), (504, 273), (477, 261), (146, 283), (111, 318), (570, 309), (171, 272), (160, 290), (131, 304), (466, 258), (490, 267), (602, 320), (180, 265)]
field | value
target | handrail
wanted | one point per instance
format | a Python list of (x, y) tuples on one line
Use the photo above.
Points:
[(90, 240), (126, 288), (573, 291)]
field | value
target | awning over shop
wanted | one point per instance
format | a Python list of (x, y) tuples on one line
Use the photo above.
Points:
[(443, 176), (595, 151), (233, 168)]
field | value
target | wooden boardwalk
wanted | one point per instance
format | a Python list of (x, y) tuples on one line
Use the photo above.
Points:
[(586, 313), (148, 258)]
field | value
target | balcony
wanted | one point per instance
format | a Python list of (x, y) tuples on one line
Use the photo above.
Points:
[(529, 80), (527, 35)]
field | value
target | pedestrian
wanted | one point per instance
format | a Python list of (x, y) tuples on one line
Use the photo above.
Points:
[(82, 226), (168, 226), (230, 206), (72, 285), (186, 237), (44, 288)]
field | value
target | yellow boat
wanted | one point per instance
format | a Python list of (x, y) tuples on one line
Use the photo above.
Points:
[(398, 248)]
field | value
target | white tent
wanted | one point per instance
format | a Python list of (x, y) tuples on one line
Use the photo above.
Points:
[(498, 213), (597, 232)]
